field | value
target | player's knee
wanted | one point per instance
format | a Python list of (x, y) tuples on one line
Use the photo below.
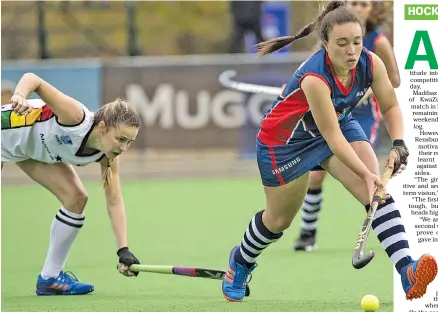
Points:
[(77, 201), (316, 180), (282, 223), (279, 223)]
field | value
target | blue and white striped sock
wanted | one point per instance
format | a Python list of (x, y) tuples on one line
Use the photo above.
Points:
[(257, 237), (389, 228), (310, 211)]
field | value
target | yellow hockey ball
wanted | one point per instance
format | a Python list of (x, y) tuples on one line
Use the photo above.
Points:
[(369, 303)]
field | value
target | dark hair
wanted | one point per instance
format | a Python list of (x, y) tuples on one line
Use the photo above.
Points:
[(379, 15), (334, 14)]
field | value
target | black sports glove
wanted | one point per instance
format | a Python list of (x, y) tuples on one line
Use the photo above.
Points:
[(402, 151), (126, 259)]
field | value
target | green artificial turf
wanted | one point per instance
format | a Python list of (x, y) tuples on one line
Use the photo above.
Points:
[(191, 223)]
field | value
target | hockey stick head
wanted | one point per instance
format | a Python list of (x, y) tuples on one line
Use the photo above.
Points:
[(360, 261)]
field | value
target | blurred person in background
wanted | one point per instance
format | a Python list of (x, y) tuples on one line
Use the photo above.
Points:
[(367, 113), (246, 17)]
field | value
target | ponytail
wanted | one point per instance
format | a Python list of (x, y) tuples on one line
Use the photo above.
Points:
[(276, 44)]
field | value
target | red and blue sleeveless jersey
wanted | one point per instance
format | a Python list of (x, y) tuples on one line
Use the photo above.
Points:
[(289, 117)]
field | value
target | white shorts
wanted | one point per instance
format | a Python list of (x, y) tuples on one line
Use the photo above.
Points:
[(10, 152)]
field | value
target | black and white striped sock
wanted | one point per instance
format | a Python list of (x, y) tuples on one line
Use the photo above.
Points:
[(310, 211), (65, 227), (389, 228), (257, 237)]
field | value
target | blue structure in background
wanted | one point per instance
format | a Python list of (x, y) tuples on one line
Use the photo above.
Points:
[(275, 23), (80, 80)]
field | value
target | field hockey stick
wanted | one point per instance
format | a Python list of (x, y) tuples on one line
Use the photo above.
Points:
[(226, 81), (359, 259), (183, 271)]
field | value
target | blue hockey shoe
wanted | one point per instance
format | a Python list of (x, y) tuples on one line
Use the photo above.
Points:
[(417, 275), (64, 285), (234, 284)]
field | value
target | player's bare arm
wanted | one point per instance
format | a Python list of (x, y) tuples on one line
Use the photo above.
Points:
[(68, 111), (117, 214), (391, 113), (114, 201), (387, 99)]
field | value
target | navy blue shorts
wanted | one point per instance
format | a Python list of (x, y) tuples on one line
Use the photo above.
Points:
[(369, 125), (279, 165)]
